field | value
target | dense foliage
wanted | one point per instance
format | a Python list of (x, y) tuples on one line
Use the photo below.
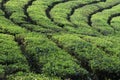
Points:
[(59, 40)]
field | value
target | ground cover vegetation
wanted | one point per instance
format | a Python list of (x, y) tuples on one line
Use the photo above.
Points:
[(59, 39)]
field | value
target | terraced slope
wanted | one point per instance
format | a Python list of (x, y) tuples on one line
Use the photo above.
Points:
[(60, 39)]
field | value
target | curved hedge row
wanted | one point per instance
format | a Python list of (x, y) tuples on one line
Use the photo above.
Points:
[(6, 26), (82, 15), (97, 55), (20, 16), (65, 8), (39, 15), (11, 58), (49, 60), (16, 10), (115, 23), (101, 23)]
